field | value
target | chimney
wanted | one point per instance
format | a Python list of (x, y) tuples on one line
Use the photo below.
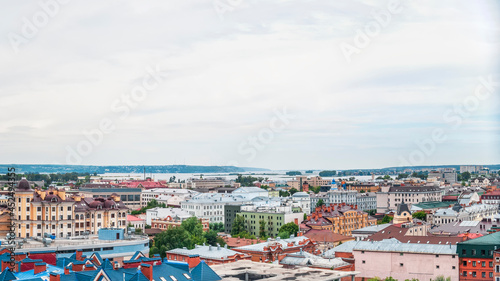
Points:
[(193, 260), (40, 267), (55, 277), (66, 270), (79, 255), (147, 270)]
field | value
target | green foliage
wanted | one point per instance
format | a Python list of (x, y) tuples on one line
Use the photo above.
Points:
[(217, 226), (176, 237), (465, 176), (151, 204), (375, 279), (284, 193), (320, 203), (211, 237), (293, 173), (441, 278), (290, 227), (402, 176), (245, 234), (293, 191), (371, 212), (238, 225), (262, 229), (327, 173), (315, 189), (284, 235), (362, 191), (248, 180), (390, 279), (421, 175), (413, 279), (305, 216), (386, 219), (421, 215), (195, 229)]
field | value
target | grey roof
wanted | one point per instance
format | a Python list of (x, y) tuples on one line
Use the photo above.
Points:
[(371, 229), (283, 242), (307, 259), (393, 245), (206, 252), (346, 247)]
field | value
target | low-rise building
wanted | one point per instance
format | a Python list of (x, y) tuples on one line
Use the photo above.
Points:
[(169, 196), (209, 254), (276, 249), (136, 222), (273, 217), (170, 213), (405, 260), (460, 213)]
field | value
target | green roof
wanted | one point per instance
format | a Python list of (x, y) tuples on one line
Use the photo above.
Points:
[(432, 204), (490, 239)]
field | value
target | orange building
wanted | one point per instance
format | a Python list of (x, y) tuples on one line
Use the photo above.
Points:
[(339, 218)]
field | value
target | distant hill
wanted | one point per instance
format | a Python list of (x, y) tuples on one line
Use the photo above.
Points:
[(41, 168), (457, 167)]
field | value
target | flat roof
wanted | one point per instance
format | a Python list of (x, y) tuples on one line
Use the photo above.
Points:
[(275, 272)]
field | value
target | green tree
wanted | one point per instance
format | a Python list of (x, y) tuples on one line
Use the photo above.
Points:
[(176, 237), (465, 176), (305, 216), (386, 219), (387, 177), (421, 215), (290, 227), (320, 203), (441, 278), (293, 191), (402, 176), (362, 191), (217, 226), (211, 237), (390, 279), (284, 235), (262, 229), (238, 225), (374, 279), (284, 193), (327, 173), (195, 229)]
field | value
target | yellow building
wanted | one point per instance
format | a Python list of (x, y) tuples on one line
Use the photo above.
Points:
[(50, 211), (339, 218)]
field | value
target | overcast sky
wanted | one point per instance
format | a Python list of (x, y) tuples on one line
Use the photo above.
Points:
[(272, 84)]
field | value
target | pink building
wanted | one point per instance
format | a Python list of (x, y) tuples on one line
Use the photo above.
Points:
[(405, 260)]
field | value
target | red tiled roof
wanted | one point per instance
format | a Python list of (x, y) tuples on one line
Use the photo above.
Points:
[(133, 218), (326, 235), (398, 233), (238, 242)]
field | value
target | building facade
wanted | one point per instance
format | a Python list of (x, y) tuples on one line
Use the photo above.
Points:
[(476, 257)]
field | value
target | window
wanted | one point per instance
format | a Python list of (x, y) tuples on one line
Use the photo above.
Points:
[(453, 267), (483, 264), (483, 274), (464, 252), (400, 254), (473, 252), (437, 266), (173, 278), (437, 256), (464, 273), (483, 252), (452, 256), (473, 274), (400, 264), (464, 263), (363, 261), (491, 264), (474, 263), (187, 276)]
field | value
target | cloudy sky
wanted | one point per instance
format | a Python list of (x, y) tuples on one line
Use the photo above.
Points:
[(275, 84)]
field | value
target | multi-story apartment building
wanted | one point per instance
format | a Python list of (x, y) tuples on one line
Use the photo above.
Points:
[(471, 168), (211, 205), (492, 197), (131, 197), (476, 257), (169, 222), (339, 218), (175, 194), (207, 183), (162, 213), (273, 217), (312, 181), (446, 175), (50, 211), (391, 196), (365, 201)]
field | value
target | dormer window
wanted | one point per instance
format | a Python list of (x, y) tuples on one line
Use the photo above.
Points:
[(53, 199)]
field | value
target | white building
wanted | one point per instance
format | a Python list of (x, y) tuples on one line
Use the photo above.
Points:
[(459, 213), (182, 194), (211, 205), (161, 213), (251, 192)]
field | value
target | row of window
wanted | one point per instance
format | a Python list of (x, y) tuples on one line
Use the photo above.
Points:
[(474, 274), (483, 264)]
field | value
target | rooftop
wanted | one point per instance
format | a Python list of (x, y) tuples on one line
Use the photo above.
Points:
[(275, 272)]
